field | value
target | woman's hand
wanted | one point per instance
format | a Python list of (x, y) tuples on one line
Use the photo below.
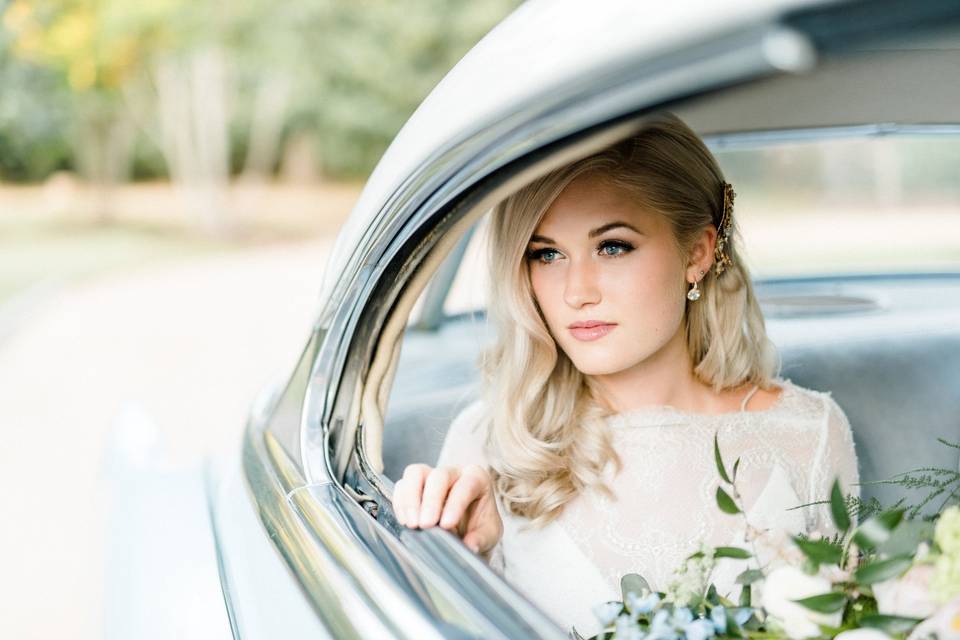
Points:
[(460, 500)]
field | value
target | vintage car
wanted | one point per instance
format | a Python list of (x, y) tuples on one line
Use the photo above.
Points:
[(304, 536)]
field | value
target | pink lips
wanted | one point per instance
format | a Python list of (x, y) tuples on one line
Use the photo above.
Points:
[(591, 330)]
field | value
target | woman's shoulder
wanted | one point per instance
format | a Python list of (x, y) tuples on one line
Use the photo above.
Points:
[(470, 420), (808, 403), (466, 439)]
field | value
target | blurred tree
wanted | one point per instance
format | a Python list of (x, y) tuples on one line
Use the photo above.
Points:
[(219, 87), (371, 62), (72, 42), (34, 113)]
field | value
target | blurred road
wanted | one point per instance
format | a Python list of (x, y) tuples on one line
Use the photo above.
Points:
[(187, 346)]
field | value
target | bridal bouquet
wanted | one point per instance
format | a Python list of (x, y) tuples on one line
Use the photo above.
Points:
[(894, 576)]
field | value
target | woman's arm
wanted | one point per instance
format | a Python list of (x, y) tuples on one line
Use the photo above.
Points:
[(834, 458)]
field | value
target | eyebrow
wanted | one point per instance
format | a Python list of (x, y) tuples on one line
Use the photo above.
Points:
[(599, 231)]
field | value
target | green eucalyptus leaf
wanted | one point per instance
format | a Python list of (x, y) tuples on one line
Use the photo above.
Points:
[(889, 624), (838, 508), (633, 583), (713, 598), (749, 576), (826, 603), (716, 455), (877, 529), (827, 631), (753, 624), (725, 502), (745, 596), (726, 602), (731, 552), (881, 570), (819, 551), (736, 467)]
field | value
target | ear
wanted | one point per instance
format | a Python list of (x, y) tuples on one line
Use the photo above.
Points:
[(701, 253)]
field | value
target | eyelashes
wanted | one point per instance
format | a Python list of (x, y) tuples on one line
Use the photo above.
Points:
[(545, 255), (606, 248), (614, 248)]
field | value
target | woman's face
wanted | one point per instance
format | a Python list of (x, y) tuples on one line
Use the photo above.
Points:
[(608, 277)]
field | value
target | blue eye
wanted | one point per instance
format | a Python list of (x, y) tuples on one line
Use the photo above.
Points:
[(614, 248), (546, 256)]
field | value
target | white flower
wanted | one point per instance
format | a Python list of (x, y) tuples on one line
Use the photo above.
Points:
[(606, 612), (862, 634), (908, 595), (782, 587), (834, 574), (692, 578), (947, 532), (944, 623), (775, 547)]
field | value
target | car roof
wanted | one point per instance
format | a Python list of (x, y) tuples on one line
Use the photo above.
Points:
[(543, 44)]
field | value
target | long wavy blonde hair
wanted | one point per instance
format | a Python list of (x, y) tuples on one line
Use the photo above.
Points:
[(548, 440)]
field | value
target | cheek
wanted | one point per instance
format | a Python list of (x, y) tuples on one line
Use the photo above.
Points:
[(540, 287), (547, 290), (650, 288)]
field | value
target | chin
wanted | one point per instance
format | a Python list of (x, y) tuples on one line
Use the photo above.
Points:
[(600, 363)]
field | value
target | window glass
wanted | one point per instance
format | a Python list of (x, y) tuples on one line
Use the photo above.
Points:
[(881, 203), (468, 293), (438, 372)]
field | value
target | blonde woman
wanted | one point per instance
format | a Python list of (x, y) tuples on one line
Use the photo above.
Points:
[(628, 335)]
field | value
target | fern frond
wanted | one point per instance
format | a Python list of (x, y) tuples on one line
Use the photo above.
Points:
[(955, 445)]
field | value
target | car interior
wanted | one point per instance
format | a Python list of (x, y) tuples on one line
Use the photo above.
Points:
[(886, 344), (882, 345)]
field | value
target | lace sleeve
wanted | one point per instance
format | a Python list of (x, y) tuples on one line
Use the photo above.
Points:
[(835, 458), (465, 443)]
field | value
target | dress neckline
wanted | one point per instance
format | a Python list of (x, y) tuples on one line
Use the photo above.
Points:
[(668, 414)]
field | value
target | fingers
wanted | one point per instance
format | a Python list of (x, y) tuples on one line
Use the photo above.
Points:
[(407, 493), (459, 500), (435, 491), (487, 530), (471, 485), (480, 541), (419, 496)]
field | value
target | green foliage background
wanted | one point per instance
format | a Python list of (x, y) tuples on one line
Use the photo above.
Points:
[(358, 69)]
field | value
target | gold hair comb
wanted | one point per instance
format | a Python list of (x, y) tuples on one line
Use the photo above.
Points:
[(725, 228)]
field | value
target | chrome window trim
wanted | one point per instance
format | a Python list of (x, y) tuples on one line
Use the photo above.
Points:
[(312, 527), (360, 576)]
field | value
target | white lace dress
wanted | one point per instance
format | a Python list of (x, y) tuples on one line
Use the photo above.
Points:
[(665, 498)]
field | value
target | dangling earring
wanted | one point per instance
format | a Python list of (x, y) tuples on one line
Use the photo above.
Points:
[(694, 292)]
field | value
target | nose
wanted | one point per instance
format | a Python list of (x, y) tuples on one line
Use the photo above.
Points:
[(581, 287)]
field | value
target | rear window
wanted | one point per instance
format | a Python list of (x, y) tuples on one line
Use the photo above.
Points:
[(882, 203)]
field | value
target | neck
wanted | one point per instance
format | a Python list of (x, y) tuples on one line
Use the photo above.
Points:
[(665, 378)]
